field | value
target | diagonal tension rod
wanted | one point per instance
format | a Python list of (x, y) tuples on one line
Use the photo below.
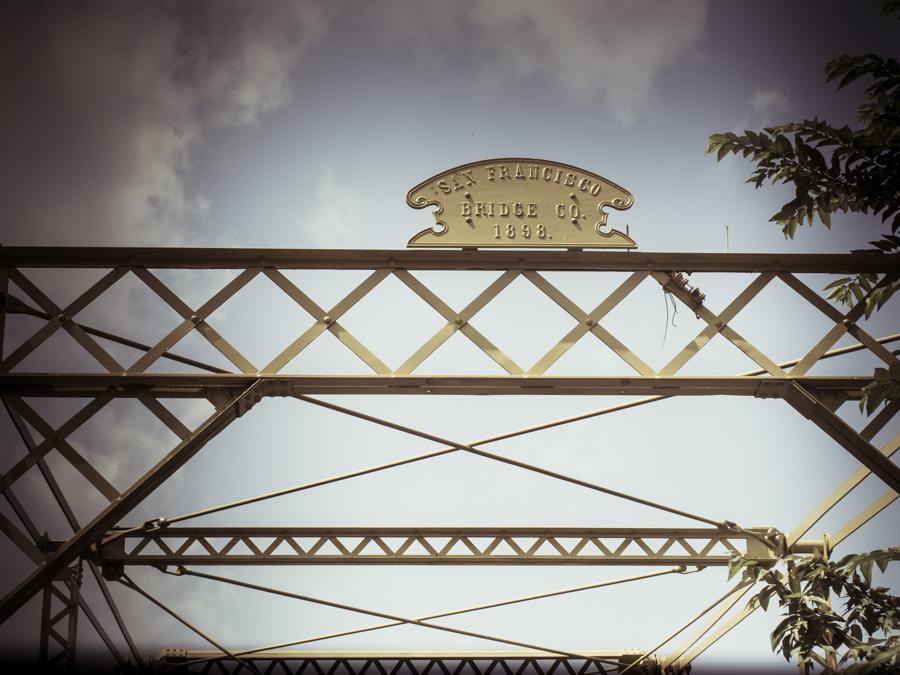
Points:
[(183, 571), (128, 582), (456, 612), (162, 521)]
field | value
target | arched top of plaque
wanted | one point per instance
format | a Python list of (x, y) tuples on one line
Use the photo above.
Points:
[(519, 202)]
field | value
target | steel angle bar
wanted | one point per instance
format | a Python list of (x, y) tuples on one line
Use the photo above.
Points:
[(181, 571), (458, 322), (21, 540), (672, 636), (847, 321), (689, 652), (55, 439), (16, 306), (61, 318), (326, 321), (814, 410), (841, 323), (675, 659), (72, 520), (194, 320), (109, 516), (589, 323), (52, 441), (423, 259), (4, 307), (863, 517), (455, 612), (718, 324), (37, 555), (197, 385)]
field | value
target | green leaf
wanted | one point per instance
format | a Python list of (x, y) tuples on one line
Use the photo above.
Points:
[(724, 149)]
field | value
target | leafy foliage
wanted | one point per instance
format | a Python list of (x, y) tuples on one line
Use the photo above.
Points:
[(856, 637), (859, 169), (840, 170)]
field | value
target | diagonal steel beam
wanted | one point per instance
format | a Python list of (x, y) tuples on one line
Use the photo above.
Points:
[(107, 518), (589, 322), (65, 449), (814, 410), (848, 321), (75, 458), (718, 324), (21, 540), (691, 650), (194, 320), (61, 318), (458, 322), (53, 440), (326, 321), (70, 517)]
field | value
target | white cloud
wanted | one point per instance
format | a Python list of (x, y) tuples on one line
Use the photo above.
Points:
[(768, 104), (336, 215)]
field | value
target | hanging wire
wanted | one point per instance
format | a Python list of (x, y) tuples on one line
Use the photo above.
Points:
[(667, 297)]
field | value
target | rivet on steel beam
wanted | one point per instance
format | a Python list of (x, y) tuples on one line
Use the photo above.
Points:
[(589, 323), (195, 318), (719, 324), (327, 320), (62, 318), (847, 322), (458, 321)]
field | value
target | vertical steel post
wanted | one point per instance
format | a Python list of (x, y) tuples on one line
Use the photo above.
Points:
[(65, 588), (4, 302)]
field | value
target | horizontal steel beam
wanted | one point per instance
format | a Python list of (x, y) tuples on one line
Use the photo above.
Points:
[(179, 385), (400, 662), (429, 546), (230, 258)]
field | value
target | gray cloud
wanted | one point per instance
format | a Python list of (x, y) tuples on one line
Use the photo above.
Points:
[(105, 104), (613, 50)]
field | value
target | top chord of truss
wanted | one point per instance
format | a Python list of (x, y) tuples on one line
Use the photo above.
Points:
[(423, 259)]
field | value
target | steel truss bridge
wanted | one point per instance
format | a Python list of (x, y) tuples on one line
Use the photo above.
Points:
[(108, 546)]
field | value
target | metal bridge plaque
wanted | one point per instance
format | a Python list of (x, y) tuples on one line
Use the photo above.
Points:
[(520, 202)]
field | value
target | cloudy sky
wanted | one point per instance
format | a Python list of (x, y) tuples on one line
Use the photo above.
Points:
[(303, 124)]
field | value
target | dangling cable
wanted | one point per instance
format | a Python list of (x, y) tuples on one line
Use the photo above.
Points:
[(667, 297)]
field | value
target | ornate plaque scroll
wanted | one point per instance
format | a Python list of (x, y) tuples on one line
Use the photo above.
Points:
[(520, 203)]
